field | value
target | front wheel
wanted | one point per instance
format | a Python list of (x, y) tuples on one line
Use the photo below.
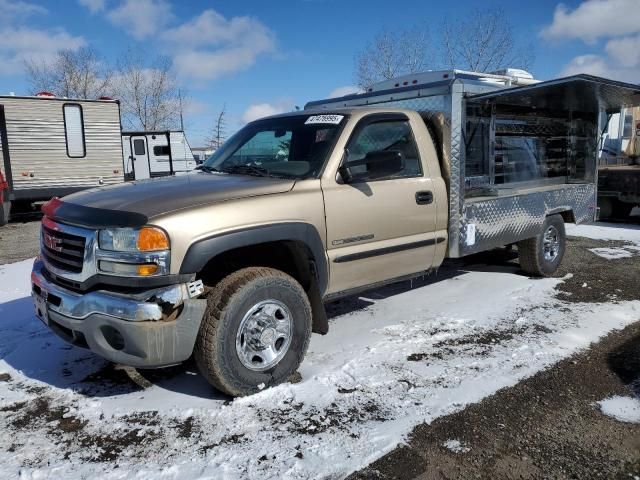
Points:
[(541, 255), (255, 331)]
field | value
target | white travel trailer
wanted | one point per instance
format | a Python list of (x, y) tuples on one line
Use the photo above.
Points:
[(156, 154), (54, 146)]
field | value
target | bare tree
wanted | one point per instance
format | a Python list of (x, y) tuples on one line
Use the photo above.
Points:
[(392, 54), (78, 73), (219, 129), (148, 92), (483, 41)]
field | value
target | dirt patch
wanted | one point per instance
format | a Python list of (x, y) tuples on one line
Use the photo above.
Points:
[(597, 279), (19, 240), (186, 428)]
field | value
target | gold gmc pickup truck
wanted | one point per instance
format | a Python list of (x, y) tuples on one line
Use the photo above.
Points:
[(233, 263)]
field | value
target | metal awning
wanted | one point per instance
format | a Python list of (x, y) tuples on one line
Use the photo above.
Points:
[(584, 93)]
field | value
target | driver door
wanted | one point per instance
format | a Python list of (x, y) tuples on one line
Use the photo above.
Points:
[(379, 228)]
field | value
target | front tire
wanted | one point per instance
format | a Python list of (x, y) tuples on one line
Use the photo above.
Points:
[(541, 255), (255, 331)]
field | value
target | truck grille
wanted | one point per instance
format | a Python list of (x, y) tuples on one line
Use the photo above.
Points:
[(63, 250)]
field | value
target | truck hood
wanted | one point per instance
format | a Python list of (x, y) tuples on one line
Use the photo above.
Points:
[(133, 203)]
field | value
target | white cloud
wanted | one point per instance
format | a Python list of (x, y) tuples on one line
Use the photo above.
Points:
[(210, 45), (615, 21), (259, 110), (602, 66), (346, 90), (594, 19), (94, 6), (22, 44), (11, 10), (141, 18), (625, 50)]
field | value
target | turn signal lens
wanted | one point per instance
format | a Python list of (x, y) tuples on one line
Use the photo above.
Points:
[(151, 238), (146, 270)]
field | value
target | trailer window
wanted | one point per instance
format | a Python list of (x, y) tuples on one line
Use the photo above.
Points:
[(138, 147), (74, 130), (161, 150)]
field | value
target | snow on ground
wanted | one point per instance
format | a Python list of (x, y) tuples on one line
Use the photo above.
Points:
[(612, 253), (623, 409), (606, 231), (393, 358), (456, 446), (628, 234)]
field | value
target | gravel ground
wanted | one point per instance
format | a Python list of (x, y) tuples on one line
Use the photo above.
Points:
[(19, 238), (547, 426)]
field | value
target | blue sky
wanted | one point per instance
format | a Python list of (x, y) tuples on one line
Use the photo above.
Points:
[(266, 56)]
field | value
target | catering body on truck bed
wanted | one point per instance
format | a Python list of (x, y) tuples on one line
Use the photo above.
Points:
[(54, 146), (302, 208)]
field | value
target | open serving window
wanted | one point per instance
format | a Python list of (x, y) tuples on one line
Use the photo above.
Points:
[(539, 134)]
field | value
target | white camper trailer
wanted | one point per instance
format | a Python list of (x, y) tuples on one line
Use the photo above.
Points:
[(156, 154), (54, 146)]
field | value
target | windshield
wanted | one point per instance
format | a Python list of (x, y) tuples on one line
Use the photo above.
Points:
[(289, 147)]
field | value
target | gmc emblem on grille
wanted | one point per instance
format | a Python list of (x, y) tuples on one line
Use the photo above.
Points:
[(52, 242)]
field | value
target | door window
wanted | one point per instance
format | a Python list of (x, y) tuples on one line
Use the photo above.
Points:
[(384, 136), (138, 147)]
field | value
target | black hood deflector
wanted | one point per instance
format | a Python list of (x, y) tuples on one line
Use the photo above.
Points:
[(92, 217)]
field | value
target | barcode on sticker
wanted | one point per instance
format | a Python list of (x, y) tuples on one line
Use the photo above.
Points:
[(332, 119)]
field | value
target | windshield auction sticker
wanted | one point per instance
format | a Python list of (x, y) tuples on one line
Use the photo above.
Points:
[(332, 119)]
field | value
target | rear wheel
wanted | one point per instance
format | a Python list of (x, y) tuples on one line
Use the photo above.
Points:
[(255, 331), (541, 255)]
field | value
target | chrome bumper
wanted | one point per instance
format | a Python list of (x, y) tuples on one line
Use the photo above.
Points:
[(155, 328), (138, 307)]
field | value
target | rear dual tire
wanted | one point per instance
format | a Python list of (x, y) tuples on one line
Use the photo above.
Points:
[(255, 331)]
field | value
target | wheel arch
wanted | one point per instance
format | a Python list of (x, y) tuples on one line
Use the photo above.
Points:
[(293, 247)]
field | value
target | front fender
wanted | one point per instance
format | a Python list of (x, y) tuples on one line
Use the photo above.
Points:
[(200, 252)]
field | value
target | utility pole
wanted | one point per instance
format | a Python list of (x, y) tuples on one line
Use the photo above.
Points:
[(181, 119)]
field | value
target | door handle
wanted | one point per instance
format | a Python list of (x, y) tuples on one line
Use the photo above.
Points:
[(424, 198)]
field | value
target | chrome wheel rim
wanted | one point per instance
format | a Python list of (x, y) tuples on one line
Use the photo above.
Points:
[(551, 244), (264, 335)]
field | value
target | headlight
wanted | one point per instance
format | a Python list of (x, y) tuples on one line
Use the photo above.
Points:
[(146, 239), (138, 252)]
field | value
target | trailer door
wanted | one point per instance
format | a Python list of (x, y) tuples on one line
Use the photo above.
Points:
[(140, 154)]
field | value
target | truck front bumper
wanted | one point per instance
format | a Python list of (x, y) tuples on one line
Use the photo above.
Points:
[(150, 329)]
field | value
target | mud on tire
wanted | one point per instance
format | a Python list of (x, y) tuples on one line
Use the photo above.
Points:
[(541, 255), (229, 304)]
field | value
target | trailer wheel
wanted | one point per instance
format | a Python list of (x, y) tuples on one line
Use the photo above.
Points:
[(255, 331), (541, 255), (5, 209)]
